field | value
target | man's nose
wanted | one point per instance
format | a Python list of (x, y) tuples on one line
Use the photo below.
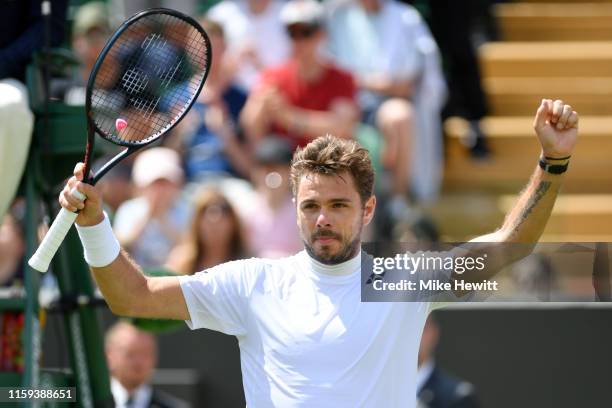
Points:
[(323, 220)]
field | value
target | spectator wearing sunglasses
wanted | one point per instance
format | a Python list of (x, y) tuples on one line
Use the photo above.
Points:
[(307, 96)]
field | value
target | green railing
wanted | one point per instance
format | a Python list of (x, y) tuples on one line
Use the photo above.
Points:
[(57, 144)]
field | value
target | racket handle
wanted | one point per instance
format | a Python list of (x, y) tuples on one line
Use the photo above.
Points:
[(54, 237)]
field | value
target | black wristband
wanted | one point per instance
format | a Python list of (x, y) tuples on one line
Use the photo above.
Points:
[(557, 158), (553, 168)]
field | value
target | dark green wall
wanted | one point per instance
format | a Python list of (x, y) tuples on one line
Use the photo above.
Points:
[(516, 358)]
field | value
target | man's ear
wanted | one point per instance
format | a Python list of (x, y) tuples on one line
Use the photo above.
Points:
[(369, 208)]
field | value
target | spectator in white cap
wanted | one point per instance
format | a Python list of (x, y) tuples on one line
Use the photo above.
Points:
[(151, 224)]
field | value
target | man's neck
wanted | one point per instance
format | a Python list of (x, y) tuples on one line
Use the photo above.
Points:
[(340, 269)]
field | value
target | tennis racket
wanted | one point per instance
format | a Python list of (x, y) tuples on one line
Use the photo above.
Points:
[(143, 83)]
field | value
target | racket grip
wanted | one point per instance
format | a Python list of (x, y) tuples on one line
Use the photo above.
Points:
[(54, 237)]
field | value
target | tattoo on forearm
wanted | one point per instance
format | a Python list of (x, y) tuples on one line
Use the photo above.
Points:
[(534, 199)]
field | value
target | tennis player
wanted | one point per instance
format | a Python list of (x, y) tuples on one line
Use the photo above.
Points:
[(306, 339)]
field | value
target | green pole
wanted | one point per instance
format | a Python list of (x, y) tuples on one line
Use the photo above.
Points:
[(32, 330), (81, 322)]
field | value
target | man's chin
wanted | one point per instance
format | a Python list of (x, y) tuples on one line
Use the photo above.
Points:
[(329, 254), (325, 255)]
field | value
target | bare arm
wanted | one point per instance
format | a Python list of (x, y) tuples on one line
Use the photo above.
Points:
[(527, 219), (127, 291), (556, 126)]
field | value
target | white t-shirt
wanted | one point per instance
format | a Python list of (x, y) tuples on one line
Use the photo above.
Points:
[(305, 337)]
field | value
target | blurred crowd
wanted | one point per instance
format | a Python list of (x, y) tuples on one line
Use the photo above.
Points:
[(283, 72), (217, 188)]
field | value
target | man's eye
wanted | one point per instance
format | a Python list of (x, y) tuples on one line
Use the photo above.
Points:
[(339, 205), (309, 206)]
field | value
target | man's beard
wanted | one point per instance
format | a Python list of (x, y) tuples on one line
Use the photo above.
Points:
[(348, 251)]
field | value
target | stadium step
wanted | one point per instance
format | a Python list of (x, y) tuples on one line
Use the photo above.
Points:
[(584, 215), (515, 151), (554, 22), (575, 217), (546, 59), (510, 96), (552, 49)]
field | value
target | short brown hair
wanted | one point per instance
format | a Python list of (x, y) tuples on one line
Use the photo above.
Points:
[(330, 155)]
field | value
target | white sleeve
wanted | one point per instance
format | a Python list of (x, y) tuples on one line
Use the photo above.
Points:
[(217, 298)]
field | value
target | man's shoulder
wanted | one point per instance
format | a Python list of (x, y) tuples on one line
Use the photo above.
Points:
[(257, 266), (248, 275), (277, 264)]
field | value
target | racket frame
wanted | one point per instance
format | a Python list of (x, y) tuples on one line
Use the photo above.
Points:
[(91, 125), (46, 250)]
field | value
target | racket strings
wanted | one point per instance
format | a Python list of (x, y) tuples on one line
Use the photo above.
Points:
[(148, 79)]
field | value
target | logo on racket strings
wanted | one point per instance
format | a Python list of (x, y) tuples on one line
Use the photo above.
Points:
[(120, 124)]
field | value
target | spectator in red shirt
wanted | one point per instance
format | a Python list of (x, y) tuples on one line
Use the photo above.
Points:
[(307, 96)]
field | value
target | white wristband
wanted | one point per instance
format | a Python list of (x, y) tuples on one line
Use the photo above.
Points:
[(99, 243)]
